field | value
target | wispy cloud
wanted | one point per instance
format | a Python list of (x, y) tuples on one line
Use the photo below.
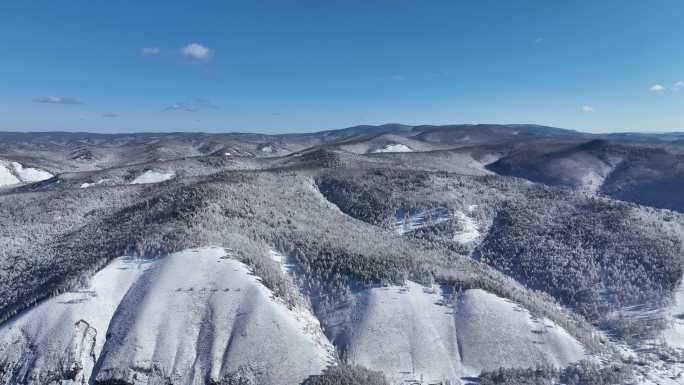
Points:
[(538, 40), (56, 100), (587, 108), (110, 115), (657, 88), (193, 105), (197, 52), (678, 86), (149, 51)]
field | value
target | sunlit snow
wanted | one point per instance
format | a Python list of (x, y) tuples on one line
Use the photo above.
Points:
[(190, 316), (397, 147), (151, 176)]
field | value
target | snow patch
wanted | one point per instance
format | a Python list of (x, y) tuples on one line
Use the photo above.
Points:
[(396, 147), (469, 229), (151, 176), (7, 178), (91, 184), (674, 334), (12, 173)]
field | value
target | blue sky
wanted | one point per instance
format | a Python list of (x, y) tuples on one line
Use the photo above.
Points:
[(294, 66)]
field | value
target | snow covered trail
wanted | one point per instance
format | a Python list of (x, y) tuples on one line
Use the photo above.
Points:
[(187, 318)]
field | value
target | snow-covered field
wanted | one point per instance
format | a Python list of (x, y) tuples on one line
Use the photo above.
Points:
[(12, 173), (151, 176), (395, 147), (189, 317), (412, 333)]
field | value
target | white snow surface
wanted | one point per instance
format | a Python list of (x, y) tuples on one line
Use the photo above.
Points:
[(188, 317), (91, 184), (495, 332), (469, 229), (7, 178), (151, 176), (30, 174), (674, 334), (396, 147), (412, 333), (12, 173)]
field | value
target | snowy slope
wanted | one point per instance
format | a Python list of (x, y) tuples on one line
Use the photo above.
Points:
[(66, 332), (495, 332), (406, 333), (151, 176), (674, 334), (7, 178), (187, 318), (413, 333), (12, 173), (395, 147)]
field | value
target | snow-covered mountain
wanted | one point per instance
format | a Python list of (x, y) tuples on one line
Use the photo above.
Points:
[(376, 254)]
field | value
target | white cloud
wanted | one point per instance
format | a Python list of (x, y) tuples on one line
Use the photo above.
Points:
[(57, 100), (193, 105), (657, 88), (110, 115), (587, 108), (678, 85), (151, 50), (197, 52), (539, 40)]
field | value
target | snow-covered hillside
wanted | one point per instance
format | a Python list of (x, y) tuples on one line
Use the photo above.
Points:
[(189, 317), (13, 173), (413, 333)]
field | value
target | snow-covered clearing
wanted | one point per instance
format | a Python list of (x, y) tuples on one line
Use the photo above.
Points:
[(396, 147), (285, 262), (12, 173), (468, 231), (407, 222), (188, 317), (151, 176)]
